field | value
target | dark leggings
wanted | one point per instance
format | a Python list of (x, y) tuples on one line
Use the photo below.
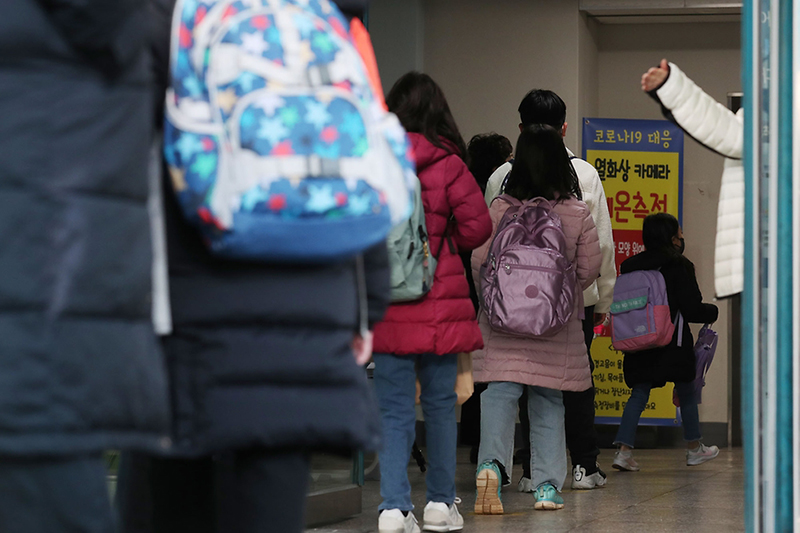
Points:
[(54, 495), (235, 492)]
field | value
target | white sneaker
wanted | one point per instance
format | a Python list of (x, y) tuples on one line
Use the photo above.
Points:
[(625, 461), (393, 521), (700, 455), (525, 485), (580, 481), (442, 517)]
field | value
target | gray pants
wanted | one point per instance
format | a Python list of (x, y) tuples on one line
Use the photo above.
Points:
[(546, 412)]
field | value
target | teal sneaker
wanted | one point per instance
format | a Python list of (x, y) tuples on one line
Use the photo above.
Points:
[(487, 481), (547, 498)]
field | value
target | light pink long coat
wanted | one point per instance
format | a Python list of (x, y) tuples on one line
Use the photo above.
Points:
[(557, 362)]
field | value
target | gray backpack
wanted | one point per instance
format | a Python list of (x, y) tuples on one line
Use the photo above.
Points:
[(410, 259)]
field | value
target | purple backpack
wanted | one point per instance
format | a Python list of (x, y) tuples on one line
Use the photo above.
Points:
[(527, 284), (704, 350), (640, 317)]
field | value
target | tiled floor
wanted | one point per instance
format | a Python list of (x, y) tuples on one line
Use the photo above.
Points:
[(665, 495)]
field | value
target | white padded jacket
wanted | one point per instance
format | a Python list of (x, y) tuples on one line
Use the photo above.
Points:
[(601, 292), (717, 128)]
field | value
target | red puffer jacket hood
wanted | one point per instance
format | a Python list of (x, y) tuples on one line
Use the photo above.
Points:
[(443, 322)]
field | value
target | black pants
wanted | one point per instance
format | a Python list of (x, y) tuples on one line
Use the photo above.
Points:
[(578, 416), (236, 492), (471, 417), (54, 495)]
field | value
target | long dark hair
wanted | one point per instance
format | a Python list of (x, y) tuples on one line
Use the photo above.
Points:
[(542, 167), (658, 230), (420, 105)]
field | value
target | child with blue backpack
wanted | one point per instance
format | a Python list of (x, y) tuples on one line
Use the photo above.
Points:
[(264, 356), (652, 368)]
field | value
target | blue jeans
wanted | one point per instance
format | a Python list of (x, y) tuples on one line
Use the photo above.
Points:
[(548, 443), (395, 387), (633, 411)]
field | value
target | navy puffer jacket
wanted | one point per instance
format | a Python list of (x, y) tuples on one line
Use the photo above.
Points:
[(260, 354), (80, 368)]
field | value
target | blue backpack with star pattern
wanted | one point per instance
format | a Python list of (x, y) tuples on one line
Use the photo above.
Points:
[(277, 148)]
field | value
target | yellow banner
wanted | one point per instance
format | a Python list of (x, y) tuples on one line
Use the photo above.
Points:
[(611, 393), (641, 165), (637, 184)]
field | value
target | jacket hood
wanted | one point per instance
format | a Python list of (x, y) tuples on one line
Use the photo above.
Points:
[(647, 260), (427, 153)]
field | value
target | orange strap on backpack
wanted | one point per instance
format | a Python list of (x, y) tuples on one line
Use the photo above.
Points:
[(364, 46)]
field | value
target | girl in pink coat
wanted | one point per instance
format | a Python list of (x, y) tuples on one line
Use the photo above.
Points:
[(423, 338), (545, 365)]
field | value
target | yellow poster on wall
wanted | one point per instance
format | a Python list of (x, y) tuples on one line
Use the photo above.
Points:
[(611, 393), (641, 165)]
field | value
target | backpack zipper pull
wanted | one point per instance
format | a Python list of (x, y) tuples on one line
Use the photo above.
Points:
[(425, 252)]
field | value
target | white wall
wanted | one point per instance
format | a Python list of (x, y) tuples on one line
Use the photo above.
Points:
[(488, 55), (396, 27)]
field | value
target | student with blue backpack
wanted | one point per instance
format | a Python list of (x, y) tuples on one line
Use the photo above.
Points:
[(264, 357), (544, 253), (666, 270)]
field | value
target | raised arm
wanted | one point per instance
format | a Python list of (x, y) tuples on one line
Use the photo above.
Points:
[(698, 114)]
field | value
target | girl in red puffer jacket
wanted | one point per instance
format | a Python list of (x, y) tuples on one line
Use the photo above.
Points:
[(425, 336)]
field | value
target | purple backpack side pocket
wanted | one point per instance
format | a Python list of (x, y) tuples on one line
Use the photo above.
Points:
[(704, 350)]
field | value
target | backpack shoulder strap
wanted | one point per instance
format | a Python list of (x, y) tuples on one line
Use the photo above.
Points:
[(505, 180), (449, 240)]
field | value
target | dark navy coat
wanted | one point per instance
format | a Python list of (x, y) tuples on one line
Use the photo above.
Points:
[(260, 353), (80, 367), (670, 363)]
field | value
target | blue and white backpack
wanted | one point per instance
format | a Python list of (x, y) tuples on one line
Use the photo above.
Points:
[(277, 148)]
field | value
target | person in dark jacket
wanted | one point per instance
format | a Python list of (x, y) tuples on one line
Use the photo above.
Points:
[(80, 367), (648, 369), (487, 151), (265, 366)]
